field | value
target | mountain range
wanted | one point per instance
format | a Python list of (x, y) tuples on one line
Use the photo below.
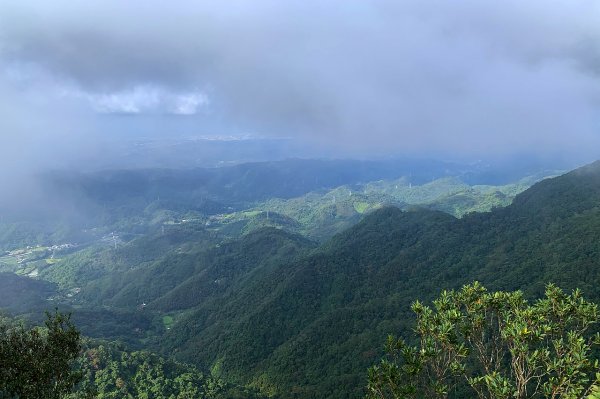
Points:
[(293, 316)]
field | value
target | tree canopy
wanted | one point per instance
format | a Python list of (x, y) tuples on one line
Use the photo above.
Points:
[(494, 345), (37, 363)]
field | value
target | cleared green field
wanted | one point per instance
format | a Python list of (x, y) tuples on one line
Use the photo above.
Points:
[(9, 261), (361, 207), (168, 321)]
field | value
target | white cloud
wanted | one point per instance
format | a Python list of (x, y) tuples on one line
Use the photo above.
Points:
[(188, 104), (127, 102), (143, 99)]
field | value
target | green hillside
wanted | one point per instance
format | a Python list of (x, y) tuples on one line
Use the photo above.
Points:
[(180, 245), (248, 294), (311, 328), (22, 294), (321, 214), (111, 371)]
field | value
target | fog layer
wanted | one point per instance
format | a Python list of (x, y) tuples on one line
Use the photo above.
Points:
[(474, 78)]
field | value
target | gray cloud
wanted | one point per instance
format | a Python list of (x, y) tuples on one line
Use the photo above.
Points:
[(382, 76)]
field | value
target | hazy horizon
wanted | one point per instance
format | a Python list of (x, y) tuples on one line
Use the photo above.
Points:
[(462, 81), (243, 199)]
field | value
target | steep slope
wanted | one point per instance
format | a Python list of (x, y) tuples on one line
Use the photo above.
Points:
[(321, 214), (312, 327), (229, 266), (111, 371), (328, 299), (19, 294), (172, 271), (103, 261)]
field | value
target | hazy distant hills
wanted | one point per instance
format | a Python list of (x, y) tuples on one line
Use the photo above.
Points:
[(211, 190), (176, 238), (174, 152), (248, 182), (80, 207)]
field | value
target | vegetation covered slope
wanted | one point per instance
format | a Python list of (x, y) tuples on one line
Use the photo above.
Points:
[(111, 371), (100, 202), (321, 214), (185, 273), (54, 362), (312, 327), (270, 310), (496, 345), (22, 294)]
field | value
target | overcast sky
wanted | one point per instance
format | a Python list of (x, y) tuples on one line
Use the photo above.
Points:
[(474, 78)]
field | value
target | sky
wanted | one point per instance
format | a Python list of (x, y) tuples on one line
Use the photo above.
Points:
[(459, 78)]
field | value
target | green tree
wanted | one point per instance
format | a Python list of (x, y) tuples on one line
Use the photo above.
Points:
[(494, 345), (37, 363)]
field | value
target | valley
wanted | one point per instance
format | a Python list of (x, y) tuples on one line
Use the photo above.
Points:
[(368, 199), (286, 296)]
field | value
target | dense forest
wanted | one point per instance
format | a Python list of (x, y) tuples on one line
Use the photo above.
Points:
[(294, 297), (300, 199), (314, 326)]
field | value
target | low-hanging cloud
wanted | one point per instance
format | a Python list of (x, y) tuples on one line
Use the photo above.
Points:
[(381, 76), (143, 99)]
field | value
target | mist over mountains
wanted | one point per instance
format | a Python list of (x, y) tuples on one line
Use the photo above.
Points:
[(380, 78), (245, 199), (275, 310)]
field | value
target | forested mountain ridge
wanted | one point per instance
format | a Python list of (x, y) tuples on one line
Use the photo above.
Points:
[(214, 190), (321, 214), (167, 260), (172, 241), (304, 195), (269, 308), (576, 191), (326, 314), (111, 371), (21, 294)]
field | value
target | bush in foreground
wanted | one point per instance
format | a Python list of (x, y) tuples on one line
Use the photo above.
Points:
[(37, 363), (494, 345)]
